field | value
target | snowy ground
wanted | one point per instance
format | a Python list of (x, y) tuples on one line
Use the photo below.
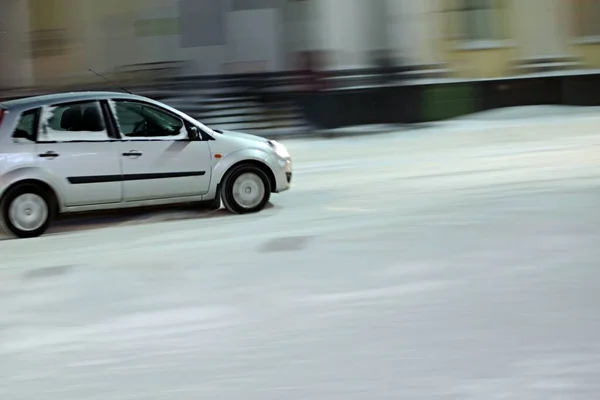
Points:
[(456, 262)]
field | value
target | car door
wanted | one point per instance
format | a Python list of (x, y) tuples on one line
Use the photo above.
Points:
[(159, 160), (75, 150)]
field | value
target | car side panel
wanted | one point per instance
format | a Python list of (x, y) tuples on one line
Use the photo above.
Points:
[(18, 161), (166, 169), (85, 172)]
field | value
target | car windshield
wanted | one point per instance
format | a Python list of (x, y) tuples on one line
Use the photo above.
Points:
[(145, 112), (157, 117)]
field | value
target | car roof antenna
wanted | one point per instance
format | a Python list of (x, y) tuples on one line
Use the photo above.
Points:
[(107, 80)]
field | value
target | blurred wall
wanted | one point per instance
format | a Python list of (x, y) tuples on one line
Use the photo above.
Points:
[(584, 30), (211, 35), (296, 28), (57, 32), (57, 41), (350, 31), (487, 38), (339, 31), (478, 37), (414, 30), (15, 68), (540, 29)]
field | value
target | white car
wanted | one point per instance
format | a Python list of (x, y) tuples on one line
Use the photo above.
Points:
[(89, 151)]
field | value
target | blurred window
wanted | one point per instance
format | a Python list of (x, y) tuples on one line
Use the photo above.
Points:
[(138, 120), (476, 20), (587, 18), (479, 15), (81, 121)]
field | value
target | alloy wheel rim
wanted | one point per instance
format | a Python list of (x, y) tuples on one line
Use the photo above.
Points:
[(28, 212), (248, 190)]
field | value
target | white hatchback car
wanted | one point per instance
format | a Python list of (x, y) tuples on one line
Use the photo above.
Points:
[(90, 151)]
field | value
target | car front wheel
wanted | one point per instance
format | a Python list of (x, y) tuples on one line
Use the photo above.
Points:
[(245, 189), (27, 211)]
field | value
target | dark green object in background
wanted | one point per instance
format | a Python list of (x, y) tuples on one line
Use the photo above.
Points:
[(443, 101)]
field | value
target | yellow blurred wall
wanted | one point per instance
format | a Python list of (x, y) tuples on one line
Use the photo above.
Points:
[(586, 48), (588, 52), (475, 59), (53, 26), (525, 29), (72, 21)]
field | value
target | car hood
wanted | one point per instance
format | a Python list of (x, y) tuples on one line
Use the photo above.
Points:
[(241, 135)]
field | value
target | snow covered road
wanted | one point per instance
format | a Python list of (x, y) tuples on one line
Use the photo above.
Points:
[(443, 263)]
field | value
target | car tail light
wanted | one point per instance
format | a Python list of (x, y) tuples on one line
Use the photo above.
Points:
[(2, 111)]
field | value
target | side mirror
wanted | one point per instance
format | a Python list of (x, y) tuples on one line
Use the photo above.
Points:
[(193, 133)]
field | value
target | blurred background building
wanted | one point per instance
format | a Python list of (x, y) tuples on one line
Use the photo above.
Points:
[(197, 55), (50, 41)]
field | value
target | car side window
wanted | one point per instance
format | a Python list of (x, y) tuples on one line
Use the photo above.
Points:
[(139, 120), (81, 121), (27, 125)]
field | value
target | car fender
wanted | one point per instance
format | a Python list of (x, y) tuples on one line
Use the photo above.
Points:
[(224, 164), (32, 173)]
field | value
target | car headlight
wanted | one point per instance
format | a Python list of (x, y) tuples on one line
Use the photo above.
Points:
[(279, 149)]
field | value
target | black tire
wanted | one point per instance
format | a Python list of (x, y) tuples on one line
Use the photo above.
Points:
[(5, 221), (227, 193)]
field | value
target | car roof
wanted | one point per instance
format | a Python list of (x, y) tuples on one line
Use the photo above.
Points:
[(26, 103)]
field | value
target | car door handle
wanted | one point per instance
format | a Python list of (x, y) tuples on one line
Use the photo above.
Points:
[(49, 154), (133, 153)]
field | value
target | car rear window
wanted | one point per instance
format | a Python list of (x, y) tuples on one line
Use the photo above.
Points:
[(27, 125)]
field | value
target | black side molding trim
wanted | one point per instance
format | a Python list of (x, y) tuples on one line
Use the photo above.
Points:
[(80, 180)]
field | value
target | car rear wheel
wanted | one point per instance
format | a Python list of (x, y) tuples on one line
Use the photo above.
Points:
[(26, 211), (246, 189)]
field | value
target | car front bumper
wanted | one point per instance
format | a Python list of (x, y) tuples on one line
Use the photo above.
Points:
[(282, 169)]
